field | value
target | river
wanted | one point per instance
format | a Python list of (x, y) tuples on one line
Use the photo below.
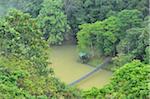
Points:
[(65, 65)]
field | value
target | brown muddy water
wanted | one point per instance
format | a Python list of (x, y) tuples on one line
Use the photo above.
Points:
[(65, 65)]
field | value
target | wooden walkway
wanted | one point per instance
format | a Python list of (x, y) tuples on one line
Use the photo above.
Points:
[(98, 68)]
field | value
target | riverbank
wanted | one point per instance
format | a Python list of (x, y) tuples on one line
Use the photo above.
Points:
[(67, 68)]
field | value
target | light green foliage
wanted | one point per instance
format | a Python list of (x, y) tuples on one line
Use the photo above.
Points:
[(10, 77), (107, 28), (13, 73), (130, 81), (104, 36), (133, 76), (53, 21), (18, 79), (21, 37), (98, 36), (24, 71)]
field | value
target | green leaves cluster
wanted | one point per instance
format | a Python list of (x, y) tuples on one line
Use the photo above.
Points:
[(134, 45), (53, 21), (97, 37), (112, 28), (21, 37), (12, 77), (90, 11), (130, 81), (103, 36), (18, 79), (24, 71)]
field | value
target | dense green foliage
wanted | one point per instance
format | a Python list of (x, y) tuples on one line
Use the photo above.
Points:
[(134, 45), (102, 28), (24, 71), (89, 11), (21, 37), (11, 77), (18, 79), (53, 21), (130, 81), (97, 37), (104, 36)]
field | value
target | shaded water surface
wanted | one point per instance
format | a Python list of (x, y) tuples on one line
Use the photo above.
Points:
[(64, 62)]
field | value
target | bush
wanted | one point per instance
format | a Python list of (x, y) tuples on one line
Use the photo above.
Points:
[(130, 81)]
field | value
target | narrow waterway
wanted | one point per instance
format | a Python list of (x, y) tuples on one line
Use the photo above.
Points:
[(64, 62)]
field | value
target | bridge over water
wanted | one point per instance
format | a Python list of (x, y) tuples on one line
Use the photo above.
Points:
[(98, 68), (68, 69)]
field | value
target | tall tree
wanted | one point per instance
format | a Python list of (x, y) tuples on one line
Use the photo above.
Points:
[(89, 11), (20, 36), (53, 21), (134, 20), (24, 71), (98, 37)]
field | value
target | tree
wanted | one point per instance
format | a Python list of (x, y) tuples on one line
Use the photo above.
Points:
[(134, 43), (24, 71), (75, 14), (130, 41), (21, 37), (89, 11), (53, 21), (18, 79), (105, 35), (134, 20), (98, 36)]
